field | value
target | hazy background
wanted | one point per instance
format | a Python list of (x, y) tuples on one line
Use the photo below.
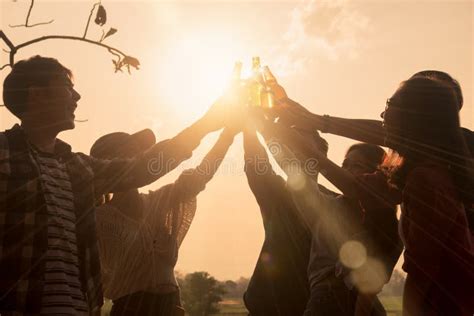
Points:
[(343, 58)]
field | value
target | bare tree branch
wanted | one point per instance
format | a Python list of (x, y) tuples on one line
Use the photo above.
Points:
[(122, 60), (10, 45), (28, 17), (89, 19), (75, 38), (7, 41)]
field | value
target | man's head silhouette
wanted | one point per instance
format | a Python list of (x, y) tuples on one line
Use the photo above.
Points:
[(39, 91)]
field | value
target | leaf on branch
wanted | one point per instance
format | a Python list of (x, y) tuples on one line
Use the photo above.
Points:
[(131, 61), (110, 32), (101, 17), (117, 65), (127, 62)]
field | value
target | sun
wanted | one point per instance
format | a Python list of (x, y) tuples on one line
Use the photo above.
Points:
[(197, 69)]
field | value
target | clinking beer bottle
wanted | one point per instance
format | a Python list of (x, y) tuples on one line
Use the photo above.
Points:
[(256, 83), (278, 93), (268, 97)]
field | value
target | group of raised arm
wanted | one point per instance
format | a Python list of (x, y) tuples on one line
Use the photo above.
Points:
[(429, 172), (74, 227)]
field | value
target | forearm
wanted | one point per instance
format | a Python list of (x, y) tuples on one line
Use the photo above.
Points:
[(261, 177), (367, 131), (342, 179), (118, 175), (215, 156), (193, 181), (311, 157), (191, 137), (255, 156), (167, 155)]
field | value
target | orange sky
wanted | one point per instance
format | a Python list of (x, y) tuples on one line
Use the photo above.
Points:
[(343, 58)]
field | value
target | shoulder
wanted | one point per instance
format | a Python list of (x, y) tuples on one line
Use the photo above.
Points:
[(83, 161), (469, 139), (468, 134)]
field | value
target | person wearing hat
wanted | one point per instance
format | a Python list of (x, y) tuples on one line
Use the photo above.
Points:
[(49, 262), (140, 234)]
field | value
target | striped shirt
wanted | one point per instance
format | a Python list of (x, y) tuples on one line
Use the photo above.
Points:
[(62, 293)]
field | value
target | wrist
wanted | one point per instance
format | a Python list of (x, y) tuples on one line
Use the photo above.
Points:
[(323, 122)]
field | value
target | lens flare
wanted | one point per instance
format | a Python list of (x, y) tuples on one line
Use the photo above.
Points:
[(296, 181), (370, 277), (353, 254)]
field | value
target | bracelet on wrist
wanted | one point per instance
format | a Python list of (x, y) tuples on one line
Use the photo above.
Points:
[(325, 124)]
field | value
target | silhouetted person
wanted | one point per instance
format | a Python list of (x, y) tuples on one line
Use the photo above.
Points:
[(279, 284), (338, 221), (421, 124), (49, 262), (140, 234)]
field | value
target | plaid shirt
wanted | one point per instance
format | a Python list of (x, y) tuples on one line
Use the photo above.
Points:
[(23, 218)]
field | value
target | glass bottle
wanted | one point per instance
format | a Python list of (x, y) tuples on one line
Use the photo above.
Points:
[(278, 93), (256, 83)]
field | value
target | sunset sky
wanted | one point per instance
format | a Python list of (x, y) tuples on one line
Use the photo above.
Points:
[(342, 58)]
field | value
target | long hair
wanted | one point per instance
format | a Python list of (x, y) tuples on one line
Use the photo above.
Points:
[(427, 128), (445, 78)]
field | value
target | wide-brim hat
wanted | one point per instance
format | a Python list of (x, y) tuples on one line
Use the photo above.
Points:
[(115, 144)]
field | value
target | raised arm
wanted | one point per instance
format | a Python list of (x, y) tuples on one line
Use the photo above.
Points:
[(268, 188), (123, 174), (367, 131), (257, 164), (193, 181), (311, 157)]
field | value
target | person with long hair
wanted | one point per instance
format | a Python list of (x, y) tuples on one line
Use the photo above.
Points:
[(421, 124), (367, 130)]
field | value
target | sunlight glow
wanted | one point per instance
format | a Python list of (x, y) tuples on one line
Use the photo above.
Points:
[(197, 70)]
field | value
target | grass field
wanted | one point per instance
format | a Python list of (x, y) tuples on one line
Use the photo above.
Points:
[(393, 305), (235, 307)]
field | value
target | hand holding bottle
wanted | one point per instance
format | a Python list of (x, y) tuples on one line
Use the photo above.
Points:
[(228, 107), (279, 93)]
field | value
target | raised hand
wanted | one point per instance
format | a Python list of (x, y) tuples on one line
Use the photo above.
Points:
[(228, 109), (271, 82), (291, 113)]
